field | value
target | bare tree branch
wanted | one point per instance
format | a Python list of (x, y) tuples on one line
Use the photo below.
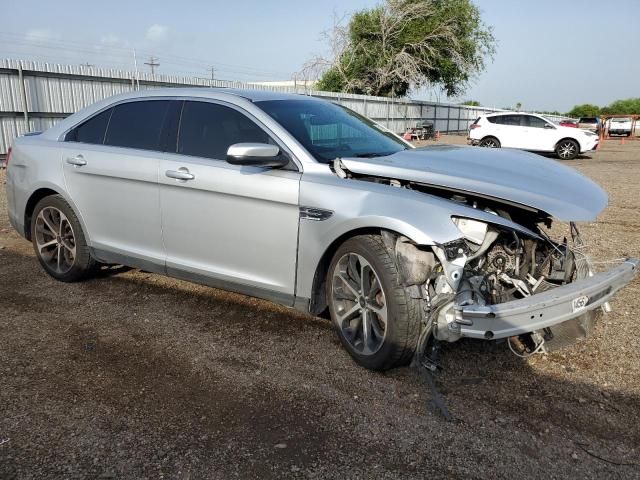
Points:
[(386, 53)]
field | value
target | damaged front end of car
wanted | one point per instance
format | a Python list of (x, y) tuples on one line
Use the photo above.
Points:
[(496, 283), (500, 283)]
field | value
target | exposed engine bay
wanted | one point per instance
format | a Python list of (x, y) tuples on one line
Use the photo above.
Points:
[(489, 265)]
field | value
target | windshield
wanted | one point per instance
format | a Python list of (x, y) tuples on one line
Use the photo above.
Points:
[(329, 131)]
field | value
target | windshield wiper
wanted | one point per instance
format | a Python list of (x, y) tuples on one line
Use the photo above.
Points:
[(374, 154)]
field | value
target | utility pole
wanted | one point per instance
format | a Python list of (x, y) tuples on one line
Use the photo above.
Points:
[(153, 63), (213, 71), (137, 79)]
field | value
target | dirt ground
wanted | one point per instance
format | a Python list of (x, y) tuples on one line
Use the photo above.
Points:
[(134, 375)]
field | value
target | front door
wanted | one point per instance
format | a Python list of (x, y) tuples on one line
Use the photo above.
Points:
[(230, 226), (540, 135)]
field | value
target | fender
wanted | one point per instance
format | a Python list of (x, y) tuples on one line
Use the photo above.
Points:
[(28, 175), (63, 193), (356, 205)]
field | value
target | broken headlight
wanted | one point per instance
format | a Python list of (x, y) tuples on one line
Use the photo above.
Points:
[(472, 230)]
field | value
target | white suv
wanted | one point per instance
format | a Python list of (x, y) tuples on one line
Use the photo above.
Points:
[(530, 132)]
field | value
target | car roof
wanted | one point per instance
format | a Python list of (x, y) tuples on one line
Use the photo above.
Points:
[(217, 93), (495, 114)]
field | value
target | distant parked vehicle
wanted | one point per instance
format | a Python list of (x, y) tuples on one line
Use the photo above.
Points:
[(591, 124), (620, 126), (568, 123), (530, 132), (422, 131)]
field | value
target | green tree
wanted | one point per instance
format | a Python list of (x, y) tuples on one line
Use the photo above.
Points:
[(584, 110), (629, 106), (403, 44), (471, 103)]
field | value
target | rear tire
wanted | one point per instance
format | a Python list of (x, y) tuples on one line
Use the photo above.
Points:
[(59, 242), (567, 149), (489, 142), (364, 295)]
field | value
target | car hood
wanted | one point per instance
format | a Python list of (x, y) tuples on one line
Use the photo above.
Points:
[(571, 131), (510, 175)]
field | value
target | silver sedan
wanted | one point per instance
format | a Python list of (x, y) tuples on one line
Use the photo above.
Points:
[(313, 206)]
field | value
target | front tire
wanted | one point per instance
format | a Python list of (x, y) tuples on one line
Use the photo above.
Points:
[(59, 241), (567, 149), (490, 142), (376, 321)]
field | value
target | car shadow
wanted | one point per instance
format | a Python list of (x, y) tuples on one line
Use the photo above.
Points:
[(106, 271)]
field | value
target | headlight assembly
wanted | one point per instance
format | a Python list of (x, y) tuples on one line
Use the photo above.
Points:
[(472, 230)]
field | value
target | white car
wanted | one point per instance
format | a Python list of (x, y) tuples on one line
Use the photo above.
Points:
[(620, 126), (531, 132)]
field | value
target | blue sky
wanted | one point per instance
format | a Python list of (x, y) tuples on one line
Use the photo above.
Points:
[(551, 54)]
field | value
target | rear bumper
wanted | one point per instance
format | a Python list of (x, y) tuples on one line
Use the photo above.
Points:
[(544, 309)]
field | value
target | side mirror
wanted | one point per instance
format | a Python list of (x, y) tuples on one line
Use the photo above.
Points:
[(548, 125), (257, 155)]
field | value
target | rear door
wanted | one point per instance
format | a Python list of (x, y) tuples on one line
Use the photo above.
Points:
[(511, 134), (228, 225), (110, 165)]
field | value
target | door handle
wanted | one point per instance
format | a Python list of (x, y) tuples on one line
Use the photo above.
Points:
[(180, 174), (77, 161)]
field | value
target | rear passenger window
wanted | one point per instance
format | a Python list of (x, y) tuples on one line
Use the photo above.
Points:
[(208, 129), (513, 120), (91, 131), (137, 124), (492, 119)]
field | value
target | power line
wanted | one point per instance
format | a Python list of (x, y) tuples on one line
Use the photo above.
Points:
[(102, 50), (115, 55)]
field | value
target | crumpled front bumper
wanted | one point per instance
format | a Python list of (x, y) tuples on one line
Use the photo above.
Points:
[(544, 309)]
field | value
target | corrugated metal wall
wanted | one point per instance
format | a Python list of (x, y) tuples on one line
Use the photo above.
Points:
[(53, 91)]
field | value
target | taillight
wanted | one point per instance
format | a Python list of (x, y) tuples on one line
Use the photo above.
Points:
[(6, 162), (475, 125)]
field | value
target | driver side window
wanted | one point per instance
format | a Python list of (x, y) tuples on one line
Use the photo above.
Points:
[(209, 129)]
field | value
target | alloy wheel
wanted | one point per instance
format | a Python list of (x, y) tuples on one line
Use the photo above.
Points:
[(359, 304), (55, 240), (566, 150), (489, 143)]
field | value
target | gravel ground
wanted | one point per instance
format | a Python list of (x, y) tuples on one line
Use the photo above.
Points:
[(134, 375)]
